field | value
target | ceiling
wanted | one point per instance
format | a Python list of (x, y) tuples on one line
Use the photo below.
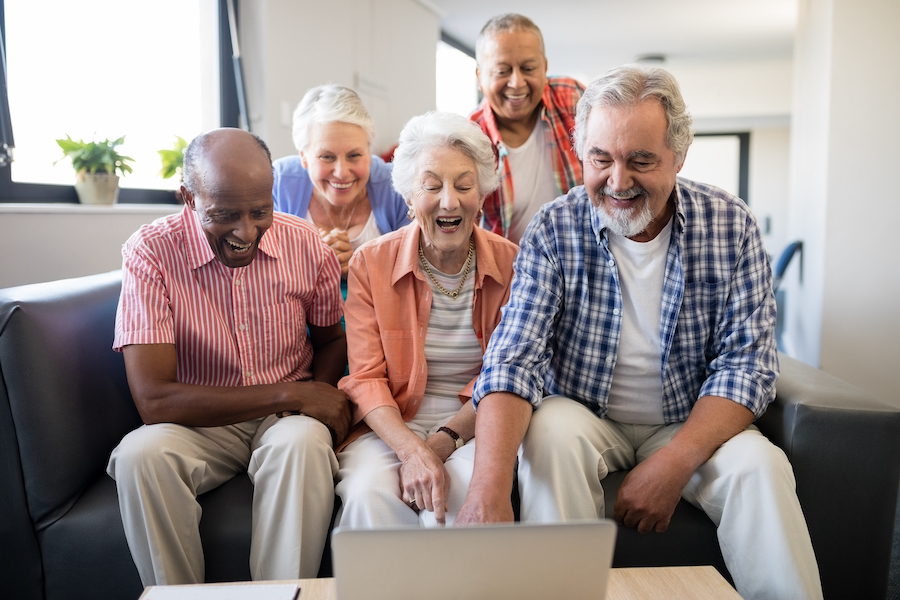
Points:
[(584, 38)]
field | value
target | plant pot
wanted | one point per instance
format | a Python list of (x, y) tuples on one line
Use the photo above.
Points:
[(96, 188)]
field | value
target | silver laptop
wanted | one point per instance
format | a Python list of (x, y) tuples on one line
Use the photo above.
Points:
[(569, 561)]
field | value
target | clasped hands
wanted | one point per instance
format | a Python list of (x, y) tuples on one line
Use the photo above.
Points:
[(326, 404), (339, 242)]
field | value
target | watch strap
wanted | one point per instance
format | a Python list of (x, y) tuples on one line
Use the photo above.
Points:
[(457, 440)]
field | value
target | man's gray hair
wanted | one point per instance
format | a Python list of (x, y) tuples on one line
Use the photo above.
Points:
[(629, 85), (194, 155), (329, 104), (502, 24), (436, 129)]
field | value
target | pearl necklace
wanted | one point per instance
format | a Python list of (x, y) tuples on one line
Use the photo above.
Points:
[(454, 294)]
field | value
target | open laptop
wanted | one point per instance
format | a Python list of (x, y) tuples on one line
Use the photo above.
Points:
[(568, 561)]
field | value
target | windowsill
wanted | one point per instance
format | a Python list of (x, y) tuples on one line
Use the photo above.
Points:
[(100, 209)]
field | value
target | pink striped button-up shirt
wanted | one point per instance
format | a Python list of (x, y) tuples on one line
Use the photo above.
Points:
[(230, 327)]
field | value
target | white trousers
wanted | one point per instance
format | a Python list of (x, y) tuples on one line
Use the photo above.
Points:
[(746, 488), (368, 484), (161, 469)]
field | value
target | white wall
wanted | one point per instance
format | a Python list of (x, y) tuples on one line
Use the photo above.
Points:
[(384, 50), (722, 94), (768, 185), (843, 190), (754, 96), (58, 241)]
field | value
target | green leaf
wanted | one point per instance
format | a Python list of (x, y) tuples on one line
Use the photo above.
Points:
[(172, 159), (95, 156)]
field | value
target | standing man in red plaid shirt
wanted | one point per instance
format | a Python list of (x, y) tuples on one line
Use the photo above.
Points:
[(529, 118)]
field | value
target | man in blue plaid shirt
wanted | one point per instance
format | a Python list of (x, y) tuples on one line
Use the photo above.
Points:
[(639, 335)]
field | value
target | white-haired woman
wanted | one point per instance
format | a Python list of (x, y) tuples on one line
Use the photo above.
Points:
[(336, 182), (422, 306)]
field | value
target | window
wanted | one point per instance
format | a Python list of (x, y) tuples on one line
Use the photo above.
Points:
[(457, 87), (103, 69), (720, 159)]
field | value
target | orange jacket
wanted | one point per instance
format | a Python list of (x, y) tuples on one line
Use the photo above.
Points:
[(387, 311)]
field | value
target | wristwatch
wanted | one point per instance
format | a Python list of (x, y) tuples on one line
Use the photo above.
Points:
[(457, 441)]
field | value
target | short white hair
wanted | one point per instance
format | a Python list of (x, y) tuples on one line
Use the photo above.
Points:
[(505, 23), (437, 129), (329, 104), (629, 85)]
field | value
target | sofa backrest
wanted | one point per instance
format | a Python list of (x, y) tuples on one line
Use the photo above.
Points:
[(64, 397)]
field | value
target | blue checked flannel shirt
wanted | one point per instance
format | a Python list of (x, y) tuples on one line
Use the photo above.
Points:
[(560, 330)]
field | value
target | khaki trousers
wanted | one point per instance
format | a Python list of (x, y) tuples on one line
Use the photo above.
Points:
[(161, 469), (746, 488)]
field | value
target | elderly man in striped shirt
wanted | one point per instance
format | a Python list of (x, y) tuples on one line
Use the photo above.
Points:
[(229, 323), (639, 336)]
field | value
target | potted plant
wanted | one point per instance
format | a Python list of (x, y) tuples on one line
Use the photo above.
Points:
[(172, 161), (97, 168)]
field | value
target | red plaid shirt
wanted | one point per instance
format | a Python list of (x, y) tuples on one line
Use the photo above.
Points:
[(559, 99)]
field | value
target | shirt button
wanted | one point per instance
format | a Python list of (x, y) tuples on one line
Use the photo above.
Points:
[(616, 311), (611, 262), (237, 282), (242, 327), (609, 360)]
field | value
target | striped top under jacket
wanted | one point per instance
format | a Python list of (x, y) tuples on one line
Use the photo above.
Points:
[(230, 327)]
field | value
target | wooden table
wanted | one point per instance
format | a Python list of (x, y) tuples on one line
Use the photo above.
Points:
[(671, 583), (645, 583)]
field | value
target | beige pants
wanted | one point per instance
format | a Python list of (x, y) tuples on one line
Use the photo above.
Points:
[(746, 488), (161, 469)]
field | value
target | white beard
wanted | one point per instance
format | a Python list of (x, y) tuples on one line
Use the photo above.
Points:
[(627, 222)]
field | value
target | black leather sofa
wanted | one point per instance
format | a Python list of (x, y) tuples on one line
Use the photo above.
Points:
[(64, 405)]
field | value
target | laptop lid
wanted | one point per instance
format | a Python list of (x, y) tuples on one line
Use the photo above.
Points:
[(518, 561)]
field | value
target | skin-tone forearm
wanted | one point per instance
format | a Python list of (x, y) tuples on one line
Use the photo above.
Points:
[(650, 492), (500, 426), (329, 353), (161, 398), (462, 423)]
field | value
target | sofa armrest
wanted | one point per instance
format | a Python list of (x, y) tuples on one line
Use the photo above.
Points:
[(68, 398), (844, 447)]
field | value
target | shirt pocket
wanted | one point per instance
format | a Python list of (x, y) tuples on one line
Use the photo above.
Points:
[(283, 327), (399, 354), (697, 324)]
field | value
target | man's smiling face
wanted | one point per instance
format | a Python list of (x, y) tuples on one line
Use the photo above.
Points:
[(512, 74), (234, 197)]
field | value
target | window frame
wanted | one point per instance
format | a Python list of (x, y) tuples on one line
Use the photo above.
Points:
[(40, 193), (743, 159)]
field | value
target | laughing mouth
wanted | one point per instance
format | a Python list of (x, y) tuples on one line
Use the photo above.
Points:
[(632, 194), (238, 248), (339, 185), (449, 222)]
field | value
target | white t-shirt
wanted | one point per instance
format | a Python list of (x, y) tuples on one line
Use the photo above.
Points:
[(534, 184), (636, 392), (369, 232)]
